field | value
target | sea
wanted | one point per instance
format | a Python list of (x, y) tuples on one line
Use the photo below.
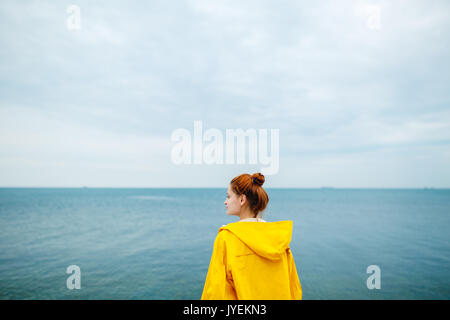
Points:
[(144, 243)]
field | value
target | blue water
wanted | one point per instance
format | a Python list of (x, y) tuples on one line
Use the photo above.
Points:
[(157, 243)]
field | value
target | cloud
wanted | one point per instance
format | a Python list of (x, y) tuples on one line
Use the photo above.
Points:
[(337, 78)]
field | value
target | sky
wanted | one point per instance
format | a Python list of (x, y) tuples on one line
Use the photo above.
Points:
[(359, 91)]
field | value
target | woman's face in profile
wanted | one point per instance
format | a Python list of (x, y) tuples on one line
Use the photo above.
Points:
[(233, 203)]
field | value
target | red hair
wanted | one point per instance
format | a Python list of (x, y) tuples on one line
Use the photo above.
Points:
[(251, 186)]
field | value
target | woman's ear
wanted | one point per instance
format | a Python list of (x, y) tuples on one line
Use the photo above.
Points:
[(243, 199)]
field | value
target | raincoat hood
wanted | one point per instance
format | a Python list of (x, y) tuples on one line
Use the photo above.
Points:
[(267, 239)]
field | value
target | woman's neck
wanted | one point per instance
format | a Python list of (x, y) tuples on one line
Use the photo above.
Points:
[(246, 214)]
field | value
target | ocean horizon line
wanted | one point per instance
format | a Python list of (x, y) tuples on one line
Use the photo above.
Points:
[(271, 188)]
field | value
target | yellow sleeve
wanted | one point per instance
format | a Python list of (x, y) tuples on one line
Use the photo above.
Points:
[(296, 288), (219, 283)]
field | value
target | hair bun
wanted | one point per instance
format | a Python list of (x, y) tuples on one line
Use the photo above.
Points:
[(258, 179)]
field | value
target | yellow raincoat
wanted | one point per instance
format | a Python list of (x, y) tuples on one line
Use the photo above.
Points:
[(253, 261)]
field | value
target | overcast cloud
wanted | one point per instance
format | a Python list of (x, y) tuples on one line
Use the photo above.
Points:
[(360, 99)]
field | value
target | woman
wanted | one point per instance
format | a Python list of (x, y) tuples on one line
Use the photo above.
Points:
[(251, 259)]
